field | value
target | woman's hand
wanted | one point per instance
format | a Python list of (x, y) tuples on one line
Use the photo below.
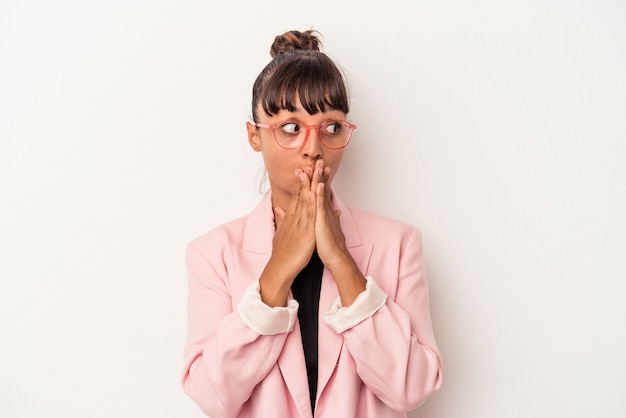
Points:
[(293, 243), (309, 222), (329, 238), (331, 242)]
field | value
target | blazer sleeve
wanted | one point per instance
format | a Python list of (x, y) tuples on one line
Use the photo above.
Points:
[(224, 358), (399, 336)]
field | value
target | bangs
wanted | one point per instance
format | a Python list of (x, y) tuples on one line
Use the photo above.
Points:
[(313, 80)]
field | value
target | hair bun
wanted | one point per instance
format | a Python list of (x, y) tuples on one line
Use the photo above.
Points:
[(294, 40)]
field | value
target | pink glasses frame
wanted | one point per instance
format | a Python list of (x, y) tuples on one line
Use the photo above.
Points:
[(308, 128)]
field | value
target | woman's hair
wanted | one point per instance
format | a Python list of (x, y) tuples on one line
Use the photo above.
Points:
[(299, 70)]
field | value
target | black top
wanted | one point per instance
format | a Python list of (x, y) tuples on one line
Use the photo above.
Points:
[(306, 290)]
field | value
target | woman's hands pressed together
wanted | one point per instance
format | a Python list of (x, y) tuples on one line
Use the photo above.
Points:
[(309, 223)]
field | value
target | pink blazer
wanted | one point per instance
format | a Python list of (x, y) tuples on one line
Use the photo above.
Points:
[(382, 367)]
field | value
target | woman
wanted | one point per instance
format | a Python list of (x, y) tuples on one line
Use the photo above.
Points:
[(306, 307)]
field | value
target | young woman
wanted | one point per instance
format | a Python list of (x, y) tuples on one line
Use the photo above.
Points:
[(306, 307)]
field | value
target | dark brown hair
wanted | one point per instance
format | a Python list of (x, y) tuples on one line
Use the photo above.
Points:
[(299, 70)]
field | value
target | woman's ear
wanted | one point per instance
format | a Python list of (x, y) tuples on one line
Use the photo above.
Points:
[(253, 137)]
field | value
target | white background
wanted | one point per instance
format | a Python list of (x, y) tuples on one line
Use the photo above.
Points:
[(497, 127)]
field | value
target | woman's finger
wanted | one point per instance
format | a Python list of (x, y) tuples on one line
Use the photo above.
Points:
[(279, 216), (296, 193), (326, 177), (320, 198), (305, 185), (307, 199), (317, 176)]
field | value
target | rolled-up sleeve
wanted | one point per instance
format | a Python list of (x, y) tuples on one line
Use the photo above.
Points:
[(341, 318), (264, 319)]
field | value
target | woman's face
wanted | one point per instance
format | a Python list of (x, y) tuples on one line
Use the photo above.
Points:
[(281, 163)]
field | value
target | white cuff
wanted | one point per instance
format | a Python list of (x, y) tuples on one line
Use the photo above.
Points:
[(369, 301), (264, 319)]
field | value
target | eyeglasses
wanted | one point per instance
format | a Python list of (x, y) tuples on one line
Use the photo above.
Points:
[(291, 134)]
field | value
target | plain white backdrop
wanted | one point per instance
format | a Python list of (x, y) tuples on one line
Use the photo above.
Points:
[(496, 127)]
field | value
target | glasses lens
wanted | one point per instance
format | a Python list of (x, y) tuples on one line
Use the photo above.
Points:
[(334, 134), (290, 134)]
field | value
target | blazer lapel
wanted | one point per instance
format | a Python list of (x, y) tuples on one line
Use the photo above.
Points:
[(330, 343), (293, 369), (252, 258)]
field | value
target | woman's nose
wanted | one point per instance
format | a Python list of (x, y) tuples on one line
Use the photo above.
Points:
[(312, 146)]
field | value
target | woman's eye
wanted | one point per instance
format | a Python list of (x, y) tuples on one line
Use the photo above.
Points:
[(333, 128), (290, 128)]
